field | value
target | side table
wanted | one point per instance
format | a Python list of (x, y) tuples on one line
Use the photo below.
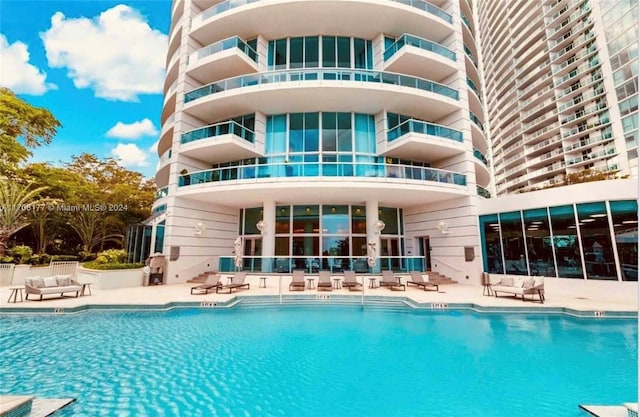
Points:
[(85, 286), (487, 289), (372, 282), (14, 294), (311, 284), (337, 283), (263, 282)]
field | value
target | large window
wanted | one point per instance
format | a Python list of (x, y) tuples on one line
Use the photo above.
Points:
[(491, 245), (565, 242), (625, 228), (596, 241), (311, 51), (538, 237), (513, 243)]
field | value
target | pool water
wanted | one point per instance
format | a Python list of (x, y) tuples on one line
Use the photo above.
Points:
[(313, 361)]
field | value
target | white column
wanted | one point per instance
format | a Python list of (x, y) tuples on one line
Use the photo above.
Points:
[(268, 234), (371, 208)]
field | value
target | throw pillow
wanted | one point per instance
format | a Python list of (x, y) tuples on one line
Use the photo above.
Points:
[(507, 281), (35, 282), (50, 281), (529, 283), (63, 280)]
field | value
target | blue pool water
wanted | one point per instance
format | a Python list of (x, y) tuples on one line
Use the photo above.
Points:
[(332, 361)]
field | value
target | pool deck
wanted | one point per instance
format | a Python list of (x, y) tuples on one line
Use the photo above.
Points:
[(451, 294)]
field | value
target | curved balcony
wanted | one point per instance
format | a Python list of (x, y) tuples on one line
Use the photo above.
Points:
[(227, 58), (420, 57), (162, 170), (276, 19), (475, 101), (161, 193), (175, 38), (483, 192), (166, 134), (415, 137), (226, 141), (337, 89), (481, 165), (476, 120), (323, 182)]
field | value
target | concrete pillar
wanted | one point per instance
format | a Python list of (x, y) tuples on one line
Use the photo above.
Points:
[(373, 234), (268, 235)]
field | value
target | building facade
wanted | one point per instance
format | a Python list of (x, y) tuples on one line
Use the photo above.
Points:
[(335, 135), (561, 88)]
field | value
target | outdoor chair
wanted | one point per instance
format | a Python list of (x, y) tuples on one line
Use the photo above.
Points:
[(390, 280), (351, 282), (324, 281), (212, 281), (236, 282), (418, 281), (297, 283)]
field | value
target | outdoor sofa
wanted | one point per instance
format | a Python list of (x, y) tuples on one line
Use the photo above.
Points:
[(520, 285), (57, 284)]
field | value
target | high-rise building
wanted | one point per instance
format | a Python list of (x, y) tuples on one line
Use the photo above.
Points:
[(350, 135), (561, 88)]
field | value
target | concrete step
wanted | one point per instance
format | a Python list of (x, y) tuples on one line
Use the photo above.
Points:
[(199, 279), (15, 405)]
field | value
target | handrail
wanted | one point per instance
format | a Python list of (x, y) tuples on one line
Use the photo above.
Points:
[(419, 126), (412, 40), (228, 43), (371, 76), (218, 129), (232, 4), (433, 260), (323, 169)]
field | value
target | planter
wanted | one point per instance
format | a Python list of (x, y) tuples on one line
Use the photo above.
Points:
[(111, 279)]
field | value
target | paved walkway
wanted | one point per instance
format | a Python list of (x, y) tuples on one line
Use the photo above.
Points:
[(448, 294)]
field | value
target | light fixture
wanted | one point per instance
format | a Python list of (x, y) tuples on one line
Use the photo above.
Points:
[(588, 220), (630, 222), (443, 226), (380, 226), (261, 225), (198, 229), (599, 215)]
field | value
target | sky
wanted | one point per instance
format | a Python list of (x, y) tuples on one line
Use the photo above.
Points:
[(98, 66)]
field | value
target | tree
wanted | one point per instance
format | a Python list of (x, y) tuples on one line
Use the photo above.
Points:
[(14, 200), (93, 227), (20, 120)]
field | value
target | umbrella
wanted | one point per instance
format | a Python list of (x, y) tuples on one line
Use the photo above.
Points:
[(237, 245)]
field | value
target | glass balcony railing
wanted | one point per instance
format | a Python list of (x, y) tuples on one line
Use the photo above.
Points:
[(218, 129), (323, 169), (418, 126), (410, 40), (162, 193), (473, 86), (377, 77), (419, 4), (479, 155), (470, 55), (229, 43), (160, 209), (477, 121), (483, 192)]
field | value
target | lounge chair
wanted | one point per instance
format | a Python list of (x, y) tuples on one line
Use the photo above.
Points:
[(212, 281), (324, 281), (389, 280), (297, 283), (418, 281), (350, 281), (236, 282)]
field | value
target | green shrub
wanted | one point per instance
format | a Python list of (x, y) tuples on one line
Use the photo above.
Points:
[(7, 260), (87, 256), (40, 259), (114, 255), (64, 258), (22, 254), (100, 260), (110, 266)]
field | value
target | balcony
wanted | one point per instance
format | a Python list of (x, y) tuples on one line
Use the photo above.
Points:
[(584, 113), (227, 58), (342, 90), (571, 35), (576, 88), (557, 69), (415, 137), (587, 127), (162, 170), (161, 193), (221, 142), (576, 45), (596, 92), (324, 182), (470, 55), (476, 120), (276, 19), (591, 156), (419, 57), (604, 137), (483, 192)]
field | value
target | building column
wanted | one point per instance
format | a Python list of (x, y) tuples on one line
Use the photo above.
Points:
[(373, 235), (268, 235)]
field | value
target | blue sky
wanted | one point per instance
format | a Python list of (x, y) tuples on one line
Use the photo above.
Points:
[(98, 65)]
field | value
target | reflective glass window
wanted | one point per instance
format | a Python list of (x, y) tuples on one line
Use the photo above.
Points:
[(251, 217), (280, 54), (283, 214), (565, 242), (390, 218), (329, 134), (365, 135), (513, 243), (538, 236), (329, 51), (358, 219), (335, 219), (344, 52), (491, 245), (296, 132), (311, 52), (306, 219), (344, 132), (282, 246), (596, 241), (296, 56), (624, 215)]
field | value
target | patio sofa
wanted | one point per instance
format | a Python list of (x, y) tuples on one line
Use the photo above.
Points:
[(520, 285), (57, 284)]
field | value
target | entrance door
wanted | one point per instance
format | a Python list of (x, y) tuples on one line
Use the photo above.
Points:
[(425, 250), (389, 253), (252, 253)]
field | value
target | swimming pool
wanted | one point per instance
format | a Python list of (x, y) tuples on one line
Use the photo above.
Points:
[(319, 361)]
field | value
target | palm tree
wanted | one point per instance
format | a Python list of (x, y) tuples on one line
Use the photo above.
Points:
[(16, 202)]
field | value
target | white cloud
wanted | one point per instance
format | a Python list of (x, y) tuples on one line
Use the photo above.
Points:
[(17, 73), (133, 130), (130, 156), (153, 149), (116, 53)]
